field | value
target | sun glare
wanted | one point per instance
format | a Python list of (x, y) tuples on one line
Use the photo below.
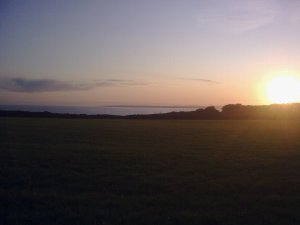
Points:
[(283, 89)]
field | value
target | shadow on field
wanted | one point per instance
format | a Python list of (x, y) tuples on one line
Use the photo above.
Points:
[(59, 171)]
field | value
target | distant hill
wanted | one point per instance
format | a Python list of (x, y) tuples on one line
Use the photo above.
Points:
[(231, 111)]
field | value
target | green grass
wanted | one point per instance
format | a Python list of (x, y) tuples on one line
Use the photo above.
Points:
[(60, 171)]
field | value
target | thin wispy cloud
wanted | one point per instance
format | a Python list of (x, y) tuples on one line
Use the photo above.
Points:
[(208, 81), (119, 82), (51, 85), (238, 16)]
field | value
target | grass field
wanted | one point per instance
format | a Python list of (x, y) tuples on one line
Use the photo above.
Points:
[(60, 171)]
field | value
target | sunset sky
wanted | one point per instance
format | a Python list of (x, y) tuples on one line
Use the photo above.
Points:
[(145, 52)]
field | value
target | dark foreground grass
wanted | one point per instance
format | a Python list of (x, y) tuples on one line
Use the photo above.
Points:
[(59, 171)]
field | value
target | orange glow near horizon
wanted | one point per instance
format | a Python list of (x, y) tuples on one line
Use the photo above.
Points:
[(283, 89)]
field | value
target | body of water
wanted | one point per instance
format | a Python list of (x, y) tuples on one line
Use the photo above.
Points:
[(112, 110)]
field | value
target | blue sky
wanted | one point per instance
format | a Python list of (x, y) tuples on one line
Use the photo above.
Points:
[(144, 52)]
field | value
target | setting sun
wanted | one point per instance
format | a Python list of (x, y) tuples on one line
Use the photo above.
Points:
[(283, 89)]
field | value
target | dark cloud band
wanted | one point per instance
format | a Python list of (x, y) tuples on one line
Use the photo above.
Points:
[(51, 85)]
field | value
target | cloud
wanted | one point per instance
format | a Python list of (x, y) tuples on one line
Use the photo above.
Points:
[(38, 85), (201, 80), (50, 85), (119, 82), (238, 16)]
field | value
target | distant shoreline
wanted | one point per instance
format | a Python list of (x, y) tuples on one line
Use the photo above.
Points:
[(231, 111), (154, 106), (104, 109)]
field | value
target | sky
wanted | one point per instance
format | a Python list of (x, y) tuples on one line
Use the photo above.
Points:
[(141, 52)]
